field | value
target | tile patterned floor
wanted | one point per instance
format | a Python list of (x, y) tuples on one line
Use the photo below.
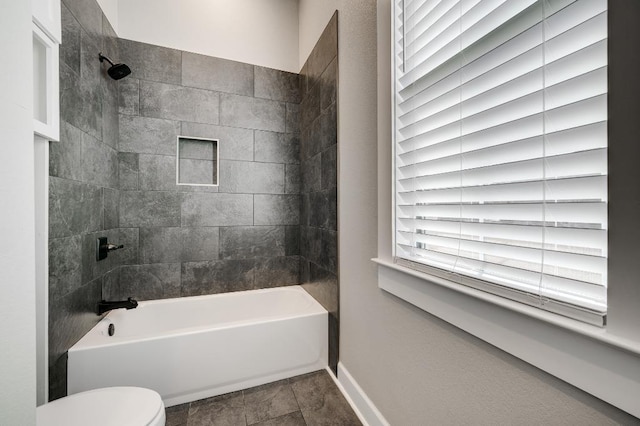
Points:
[(308, 400)]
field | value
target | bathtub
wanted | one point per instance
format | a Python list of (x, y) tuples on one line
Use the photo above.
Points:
[(196, 347)]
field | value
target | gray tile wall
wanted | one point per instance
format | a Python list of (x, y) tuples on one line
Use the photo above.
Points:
[(84, 186), (202, 240), (318, 185)]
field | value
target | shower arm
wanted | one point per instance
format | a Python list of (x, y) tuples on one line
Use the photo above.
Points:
[(103, 58)]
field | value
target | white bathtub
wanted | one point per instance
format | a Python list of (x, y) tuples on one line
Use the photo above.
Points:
[(196, 347)]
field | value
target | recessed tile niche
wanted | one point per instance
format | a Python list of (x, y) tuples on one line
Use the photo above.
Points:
[(197, 161)]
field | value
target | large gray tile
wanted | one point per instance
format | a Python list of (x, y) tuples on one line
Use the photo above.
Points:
[(292, 240), (205, 209), (128, 170), (129, 96), (57, 376), (277, 271), (277, 85), (252, 113), (329, 251), (292, 123), (74, 208), (99, 163), (223, 410), (80, 102), (92, 72), (269, 401), (150, 62), (65, 157), (157, 172), (93, 269), (233, 143), (111, 202), (198, 172), (222, 75), (321, 402), (161, 100), (309, 107), (149, 208), (329, 127), (160, 245), (311, 174), (291, 419), (329, 167), (148, 282), (65, 265), (242, 242), (88, 14), (311, 243), (109, 39), (242, 177), (324, 51), (274, 147), (110, 119), (72, 316), (329, 84), (292, 179), (323, 209), (220, 276), (276, 209), (70, 47), (200, 244), (322, 285), (148, 135)]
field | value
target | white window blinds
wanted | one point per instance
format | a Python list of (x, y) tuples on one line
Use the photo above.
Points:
[(501, 147)]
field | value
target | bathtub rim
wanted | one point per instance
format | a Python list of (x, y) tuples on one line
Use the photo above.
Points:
[(98, 331)]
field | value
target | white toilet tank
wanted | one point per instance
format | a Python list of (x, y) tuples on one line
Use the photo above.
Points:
[(115, 406)]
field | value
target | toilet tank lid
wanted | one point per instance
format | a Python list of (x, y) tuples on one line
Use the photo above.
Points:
[(120, 405)]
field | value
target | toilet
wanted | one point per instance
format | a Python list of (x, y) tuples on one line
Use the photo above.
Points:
[(115, 406)]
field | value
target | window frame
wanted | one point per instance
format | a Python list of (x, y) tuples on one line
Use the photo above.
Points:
[(602, 361)]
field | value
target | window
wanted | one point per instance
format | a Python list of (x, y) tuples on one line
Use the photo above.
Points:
[(501, 148)]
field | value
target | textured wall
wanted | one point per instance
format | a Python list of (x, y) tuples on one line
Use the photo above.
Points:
[(318, 153), (83, 185), (240, 235)]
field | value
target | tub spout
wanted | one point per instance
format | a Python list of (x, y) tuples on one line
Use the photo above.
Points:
[(104, 306)]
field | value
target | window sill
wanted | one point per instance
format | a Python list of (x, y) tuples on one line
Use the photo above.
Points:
[(588, 357)]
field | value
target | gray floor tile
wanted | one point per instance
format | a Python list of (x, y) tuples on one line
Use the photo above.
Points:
[(177, 415), (321, 402), (310, 399), (269, 401), (291, 419), (223, 410)]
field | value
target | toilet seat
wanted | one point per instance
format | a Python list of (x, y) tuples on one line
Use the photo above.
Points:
[(115, 406)]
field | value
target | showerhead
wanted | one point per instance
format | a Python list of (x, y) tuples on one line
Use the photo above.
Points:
[(115, 71)]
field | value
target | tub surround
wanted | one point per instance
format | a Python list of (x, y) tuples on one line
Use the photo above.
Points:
[(195, 240), (319, 192)]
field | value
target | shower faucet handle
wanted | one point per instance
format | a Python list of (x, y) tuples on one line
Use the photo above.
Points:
[(103, 248)]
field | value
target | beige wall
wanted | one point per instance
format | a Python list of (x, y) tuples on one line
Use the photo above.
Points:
[(263, 32), (416, 368)]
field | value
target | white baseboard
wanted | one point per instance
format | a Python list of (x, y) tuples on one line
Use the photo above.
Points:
[(364, 408)]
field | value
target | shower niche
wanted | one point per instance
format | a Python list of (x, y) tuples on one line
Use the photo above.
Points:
[(197, 161)]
